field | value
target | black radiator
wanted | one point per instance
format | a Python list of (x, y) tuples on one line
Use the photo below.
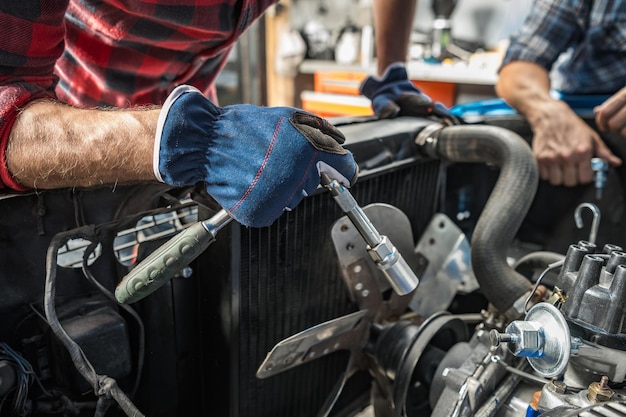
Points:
[(274, 282)]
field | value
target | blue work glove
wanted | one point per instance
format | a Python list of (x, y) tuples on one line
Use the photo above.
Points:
[(255, 161), (395, 95)]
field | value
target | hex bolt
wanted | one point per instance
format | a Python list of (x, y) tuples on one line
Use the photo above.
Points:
[(600, 391), (558, 387), (525, 338)]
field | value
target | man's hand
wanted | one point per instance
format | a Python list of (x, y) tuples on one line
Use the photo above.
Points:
[(395, 95), (611, 115), (564, 145), (255, 161)]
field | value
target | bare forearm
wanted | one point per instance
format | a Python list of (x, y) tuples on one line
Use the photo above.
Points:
[(53, 145), (526, 87), (393, 23)]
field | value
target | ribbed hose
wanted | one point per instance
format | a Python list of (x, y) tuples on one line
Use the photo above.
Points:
[(505, 209)]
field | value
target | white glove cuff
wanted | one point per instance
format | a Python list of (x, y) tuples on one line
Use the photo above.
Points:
[(174, 95)]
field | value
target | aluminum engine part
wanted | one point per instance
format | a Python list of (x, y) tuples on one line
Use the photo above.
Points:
[(468, 386), (544, 338), (574, 346), (446, 253)]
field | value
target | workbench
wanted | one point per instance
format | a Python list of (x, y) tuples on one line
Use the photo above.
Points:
[(330, 89)]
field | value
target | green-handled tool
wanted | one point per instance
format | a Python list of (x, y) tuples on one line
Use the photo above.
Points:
[(169, 259)]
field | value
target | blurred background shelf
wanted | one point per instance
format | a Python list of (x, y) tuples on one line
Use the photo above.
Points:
[(290, 57)]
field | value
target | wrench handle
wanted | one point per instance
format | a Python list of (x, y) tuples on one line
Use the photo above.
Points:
[(169, 259)]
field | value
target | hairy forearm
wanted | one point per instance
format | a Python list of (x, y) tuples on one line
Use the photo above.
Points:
[(525, 86), (53, 145), (393, 23)]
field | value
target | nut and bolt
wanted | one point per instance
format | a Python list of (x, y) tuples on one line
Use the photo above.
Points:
[(524, 338), (600, 391), (558, 387)]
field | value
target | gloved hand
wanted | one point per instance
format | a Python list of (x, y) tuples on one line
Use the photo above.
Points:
[(395, 95), (255, 161)]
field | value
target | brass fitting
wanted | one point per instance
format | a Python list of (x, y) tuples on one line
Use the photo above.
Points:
[(600, 391)]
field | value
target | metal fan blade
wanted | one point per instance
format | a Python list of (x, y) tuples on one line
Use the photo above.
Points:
[(334, 395), (344, 333)]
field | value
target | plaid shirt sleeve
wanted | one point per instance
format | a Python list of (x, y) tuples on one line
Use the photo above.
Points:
[(547, 31), (31, 43), (112, 53)]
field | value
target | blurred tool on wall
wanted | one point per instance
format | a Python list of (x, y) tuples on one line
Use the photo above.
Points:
[(317, 36), (442, 26), (290, 52), (348, 44)]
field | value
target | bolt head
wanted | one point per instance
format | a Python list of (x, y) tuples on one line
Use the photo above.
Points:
[(558, 387), (527, 339)]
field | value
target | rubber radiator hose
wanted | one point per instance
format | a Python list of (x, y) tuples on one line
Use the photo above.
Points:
[(505, 209)]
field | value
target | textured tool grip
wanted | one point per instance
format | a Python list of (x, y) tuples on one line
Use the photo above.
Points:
[(164, 263)]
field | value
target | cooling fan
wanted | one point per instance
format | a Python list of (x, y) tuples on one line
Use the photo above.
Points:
[(384, 337)]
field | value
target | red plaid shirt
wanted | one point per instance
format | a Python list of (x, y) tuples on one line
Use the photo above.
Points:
[(112, 52)]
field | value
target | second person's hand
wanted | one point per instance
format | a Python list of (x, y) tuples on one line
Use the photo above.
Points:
[(564, 145), (394, 95), (611, 115)]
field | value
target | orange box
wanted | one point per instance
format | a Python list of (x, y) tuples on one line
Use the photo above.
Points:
[(443, 92), (339, 82), (348, 82), (331, 105)]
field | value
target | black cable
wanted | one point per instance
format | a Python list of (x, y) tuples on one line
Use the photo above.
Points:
[(103, 386), (141, 343), (102, 406), (79, 214)]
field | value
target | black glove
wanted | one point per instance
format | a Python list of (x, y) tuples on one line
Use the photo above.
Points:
[(395, 95)]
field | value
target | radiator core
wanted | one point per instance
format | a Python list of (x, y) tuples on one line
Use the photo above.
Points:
[(273, 282)]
